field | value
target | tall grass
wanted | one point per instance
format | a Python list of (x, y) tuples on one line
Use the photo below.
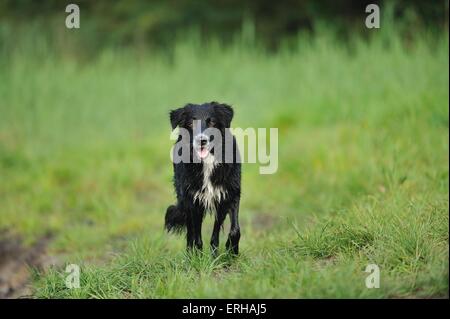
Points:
[(362, 178)]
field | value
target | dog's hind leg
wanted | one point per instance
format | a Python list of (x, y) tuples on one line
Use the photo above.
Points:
[(235, 231)]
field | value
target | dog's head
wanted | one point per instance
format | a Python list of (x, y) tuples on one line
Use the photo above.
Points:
[(200, 120)]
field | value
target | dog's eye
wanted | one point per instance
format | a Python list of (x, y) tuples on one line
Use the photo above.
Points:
[(211, 122)]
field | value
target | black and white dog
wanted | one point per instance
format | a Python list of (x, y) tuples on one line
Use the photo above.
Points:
[(205, 182)]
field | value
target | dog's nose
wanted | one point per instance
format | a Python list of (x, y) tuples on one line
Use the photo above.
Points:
[(201, 140)]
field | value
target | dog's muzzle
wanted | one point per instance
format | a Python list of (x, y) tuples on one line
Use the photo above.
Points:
[(201, 145)]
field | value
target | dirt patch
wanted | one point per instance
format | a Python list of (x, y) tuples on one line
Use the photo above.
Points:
[(263, 221), (15, 262), (325, 262)]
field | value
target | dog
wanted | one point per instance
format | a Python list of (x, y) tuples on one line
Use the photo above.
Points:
[(206, 181)]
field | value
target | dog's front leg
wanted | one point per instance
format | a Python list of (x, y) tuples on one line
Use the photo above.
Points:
[(194, 228), (232, 243), (189, 232), (198, 219), (220, 217)]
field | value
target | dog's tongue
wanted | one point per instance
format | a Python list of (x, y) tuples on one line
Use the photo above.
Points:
[(203, 153)]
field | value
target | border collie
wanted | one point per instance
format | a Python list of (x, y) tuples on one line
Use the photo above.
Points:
[(206, 182)]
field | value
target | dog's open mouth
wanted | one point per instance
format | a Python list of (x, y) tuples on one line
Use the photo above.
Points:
[(203, 152)]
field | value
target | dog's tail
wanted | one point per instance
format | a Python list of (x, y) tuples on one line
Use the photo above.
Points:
[(175, 219)]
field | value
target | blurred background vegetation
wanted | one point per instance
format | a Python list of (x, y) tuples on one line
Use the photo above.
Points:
[(158, 24)]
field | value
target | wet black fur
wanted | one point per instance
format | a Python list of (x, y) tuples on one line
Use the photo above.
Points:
[(188, 214)]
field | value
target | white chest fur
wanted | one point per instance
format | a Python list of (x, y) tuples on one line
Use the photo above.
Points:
[(209, 195)]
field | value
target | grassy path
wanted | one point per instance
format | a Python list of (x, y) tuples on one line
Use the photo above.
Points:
[(362, 178)]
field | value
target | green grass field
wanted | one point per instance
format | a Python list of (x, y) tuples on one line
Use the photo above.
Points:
[(363, 167)]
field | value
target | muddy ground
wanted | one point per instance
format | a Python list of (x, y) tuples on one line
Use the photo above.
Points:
[(16, 262)]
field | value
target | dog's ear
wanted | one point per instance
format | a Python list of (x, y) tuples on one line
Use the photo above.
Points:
[(224, 113), (177, 117)]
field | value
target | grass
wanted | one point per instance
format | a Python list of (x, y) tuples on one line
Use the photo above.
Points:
[(362, 177)]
